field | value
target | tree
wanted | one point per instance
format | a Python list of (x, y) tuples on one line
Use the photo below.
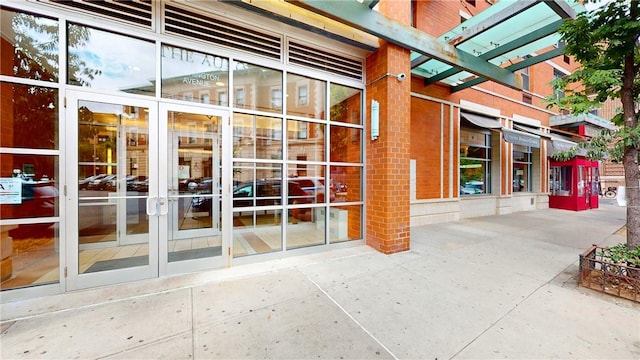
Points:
[(606, 43)]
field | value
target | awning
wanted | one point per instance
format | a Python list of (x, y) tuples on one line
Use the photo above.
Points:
[(521, 138), (482, 121), (561, 144), (532, 131)]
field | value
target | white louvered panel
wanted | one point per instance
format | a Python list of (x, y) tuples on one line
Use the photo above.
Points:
[(138, 12), (216, 31), (323, 60)]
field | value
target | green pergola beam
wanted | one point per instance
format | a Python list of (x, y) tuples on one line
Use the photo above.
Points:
[(488, 23), (517, 66), (362, 18), (503, 49), (370, 3)]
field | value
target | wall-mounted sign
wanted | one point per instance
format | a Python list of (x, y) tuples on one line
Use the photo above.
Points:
[(10, 190)]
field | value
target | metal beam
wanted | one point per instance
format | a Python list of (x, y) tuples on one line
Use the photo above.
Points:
[(297, 17), (362, 18), (369, 3), (503, 49), (517, 66), (562, 9), (503, 15)]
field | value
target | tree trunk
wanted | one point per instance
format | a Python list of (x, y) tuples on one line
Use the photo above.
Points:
[(630, 159)]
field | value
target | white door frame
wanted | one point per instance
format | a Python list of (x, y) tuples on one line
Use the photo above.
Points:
[(76, 280)]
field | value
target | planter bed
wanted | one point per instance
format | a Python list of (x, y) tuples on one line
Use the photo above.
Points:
[(598, 272)]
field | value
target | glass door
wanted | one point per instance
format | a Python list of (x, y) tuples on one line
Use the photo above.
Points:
[(113, 208), (193, 174)]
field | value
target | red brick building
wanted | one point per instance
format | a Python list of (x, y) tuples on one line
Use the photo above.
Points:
[(155, 138)]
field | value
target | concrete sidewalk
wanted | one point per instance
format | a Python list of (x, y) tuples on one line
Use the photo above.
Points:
[(483, 288)]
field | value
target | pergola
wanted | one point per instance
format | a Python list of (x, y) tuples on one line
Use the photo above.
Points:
[(492, 45)]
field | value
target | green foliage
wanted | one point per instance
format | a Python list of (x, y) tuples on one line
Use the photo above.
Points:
[(606, 43), (622, 254)]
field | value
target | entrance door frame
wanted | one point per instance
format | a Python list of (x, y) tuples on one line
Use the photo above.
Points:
[(171, 268), (74, 279), (157, 198)]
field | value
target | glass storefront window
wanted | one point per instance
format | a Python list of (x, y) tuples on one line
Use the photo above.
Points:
[(521, 168), (305, 140), (262, 86), (33, 180), (28, 117), (346, 182), (306, 96), (194, 76), (127, 64), (257, 137), (560, 180), (257, 232), (344, 144), (33, 42), (345, 223), (345, 104), (475, 161), (29, 255), (307, 184)]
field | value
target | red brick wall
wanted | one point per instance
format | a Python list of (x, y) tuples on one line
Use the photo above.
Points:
[(388, 216)]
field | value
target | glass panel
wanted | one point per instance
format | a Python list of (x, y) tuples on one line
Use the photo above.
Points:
[(126, 64), (521, 168), (256, 232), (113, 170), (194, 144), (472, 176), (29, 255), (257, 137), (582, 175), (346, 182), (307, 184), (28, 117), (345, 104), (560, 180), (306, 140), (194, 76), (345, 223), (344, 144), (306, 96), (257, 184), (262, 86), (305, 227), (31, 49), (30, 186)]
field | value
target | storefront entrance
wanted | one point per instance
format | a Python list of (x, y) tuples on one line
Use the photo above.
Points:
[(144, 170)]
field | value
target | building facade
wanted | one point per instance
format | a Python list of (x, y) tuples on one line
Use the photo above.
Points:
[(145, 139)]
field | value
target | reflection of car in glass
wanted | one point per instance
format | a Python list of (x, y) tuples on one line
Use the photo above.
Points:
[(139, 185), (261, 193), (101, 182), (84, 183), (472, 187), (315, 186)]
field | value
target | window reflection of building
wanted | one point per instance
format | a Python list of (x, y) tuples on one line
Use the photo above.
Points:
[(475, 161), (522, 165)]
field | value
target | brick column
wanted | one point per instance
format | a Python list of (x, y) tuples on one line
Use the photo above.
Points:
[(387, 164)]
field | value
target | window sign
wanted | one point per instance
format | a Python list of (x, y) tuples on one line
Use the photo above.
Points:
[(10, 190), (189, 71)]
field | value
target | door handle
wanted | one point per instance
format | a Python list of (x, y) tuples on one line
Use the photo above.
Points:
[(155, 205), (164, 206)]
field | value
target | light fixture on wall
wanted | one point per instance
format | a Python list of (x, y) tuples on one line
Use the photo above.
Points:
[(375, 120)]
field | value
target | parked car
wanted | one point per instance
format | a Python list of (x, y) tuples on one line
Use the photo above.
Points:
[(84, 183), (315, 186), (263, 192), (101, 182)]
